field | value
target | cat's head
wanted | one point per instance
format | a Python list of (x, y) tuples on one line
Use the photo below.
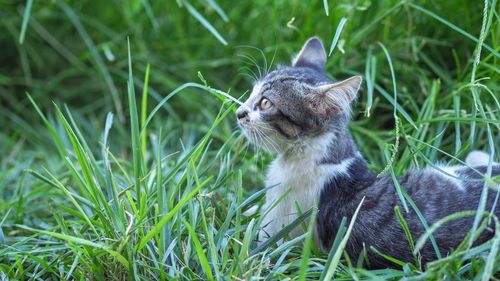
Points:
[(295, 103)]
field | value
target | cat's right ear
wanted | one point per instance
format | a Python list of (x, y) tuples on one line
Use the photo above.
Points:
[(331, 99), (313, 54)]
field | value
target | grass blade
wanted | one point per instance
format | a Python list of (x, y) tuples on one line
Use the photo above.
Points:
[(337, 34), (218, 9), (80, 241), (204, 22), (26, 19), (452, 26), (493, 255), (101, 66), (134, 131), (158, 227), (199, 251), (341, 231), (144, 109), (338, 253), (306, 250), (370, 72), (407, 231), (282, 233)]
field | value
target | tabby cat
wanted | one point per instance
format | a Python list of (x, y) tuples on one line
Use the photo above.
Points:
[(302, 116)]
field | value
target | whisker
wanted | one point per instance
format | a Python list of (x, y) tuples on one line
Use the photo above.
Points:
[(264, 143), (254, 76), (269, 143), (272, 60), (253, 61), (248, 75), (261, 52)]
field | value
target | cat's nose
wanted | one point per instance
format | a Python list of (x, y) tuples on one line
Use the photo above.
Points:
[(242, 114)]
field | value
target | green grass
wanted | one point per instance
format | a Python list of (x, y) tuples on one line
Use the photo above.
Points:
[(120, 157)]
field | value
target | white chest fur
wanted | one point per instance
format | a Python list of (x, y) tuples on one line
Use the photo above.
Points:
[(297, 182)]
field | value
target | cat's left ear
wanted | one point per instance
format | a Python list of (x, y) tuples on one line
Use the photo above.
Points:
[(331, 99), (312, 55)]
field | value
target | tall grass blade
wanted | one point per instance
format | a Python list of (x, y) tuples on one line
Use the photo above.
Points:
[(81, 241), (26, 19), (199, 251), (337, 34), (144, 109), (489, 268), (134, 131), (205, 23), (158, 227), (101, 66), (306, 250), (218, 9), (330, 271), (451, 25), (282, 233), (341, 231), (370, 73)]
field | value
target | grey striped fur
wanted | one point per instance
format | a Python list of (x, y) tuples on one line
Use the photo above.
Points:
[(318, 164)]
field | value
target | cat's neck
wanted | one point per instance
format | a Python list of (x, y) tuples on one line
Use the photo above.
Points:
[(330, 147), (334, 150)]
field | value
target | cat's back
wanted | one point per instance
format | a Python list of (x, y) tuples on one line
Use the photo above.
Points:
[(444, 190), (437, 193)]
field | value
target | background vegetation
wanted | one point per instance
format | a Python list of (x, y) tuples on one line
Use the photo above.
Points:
[(109, 170)]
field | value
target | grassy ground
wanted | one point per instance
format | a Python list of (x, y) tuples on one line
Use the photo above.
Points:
[(123, 161)]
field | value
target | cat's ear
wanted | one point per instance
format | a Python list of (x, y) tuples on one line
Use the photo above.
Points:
[(312, 54), (331, 99)]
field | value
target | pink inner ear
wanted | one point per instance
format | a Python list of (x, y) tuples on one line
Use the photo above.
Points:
[(321, 106), (329, 111)]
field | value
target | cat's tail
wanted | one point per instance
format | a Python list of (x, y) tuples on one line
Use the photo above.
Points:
[(477, 158)]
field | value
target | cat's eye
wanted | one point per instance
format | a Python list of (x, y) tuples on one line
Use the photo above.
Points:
[(265, 104)]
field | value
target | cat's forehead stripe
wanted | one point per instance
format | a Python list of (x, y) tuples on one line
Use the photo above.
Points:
[(268, 83), (256, 90)]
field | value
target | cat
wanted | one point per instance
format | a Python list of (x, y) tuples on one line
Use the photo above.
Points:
[(299, 114)]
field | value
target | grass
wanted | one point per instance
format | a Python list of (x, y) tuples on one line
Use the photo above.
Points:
[(120, 156)]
